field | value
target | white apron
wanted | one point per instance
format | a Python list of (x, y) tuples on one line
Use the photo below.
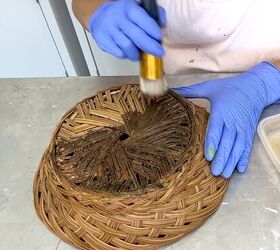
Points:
[(220, 35)]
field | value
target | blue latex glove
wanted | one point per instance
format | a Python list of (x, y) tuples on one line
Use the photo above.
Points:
[(122, 27), (236, 105)]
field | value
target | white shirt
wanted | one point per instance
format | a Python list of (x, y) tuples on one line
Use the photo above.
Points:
[(220, 35)]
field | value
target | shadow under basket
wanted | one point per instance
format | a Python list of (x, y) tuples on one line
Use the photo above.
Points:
[(125, 172)]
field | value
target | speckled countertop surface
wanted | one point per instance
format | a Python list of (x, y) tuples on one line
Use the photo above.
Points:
[(249, 217)]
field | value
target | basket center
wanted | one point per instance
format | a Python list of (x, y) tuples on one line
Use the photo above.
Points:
[(123, 137)]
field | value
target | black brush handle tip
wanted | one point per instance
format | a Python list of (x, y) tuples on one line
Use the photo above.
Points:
[(150, 6)]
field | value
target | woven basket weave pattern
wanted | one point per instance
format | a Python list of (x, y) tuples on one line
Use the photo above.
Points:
[(122, 172)]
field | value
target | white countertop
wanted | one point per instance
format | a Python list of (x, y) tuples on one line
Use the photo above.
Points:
[(249, 217)]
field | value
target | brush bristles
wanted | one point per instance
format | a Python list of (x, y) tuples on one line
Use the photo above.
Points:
[(153, 88)]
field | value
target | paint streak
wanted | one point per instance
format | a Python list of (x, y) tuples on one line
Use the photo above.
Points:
[(271, 210), (276, 238), (211, 151)]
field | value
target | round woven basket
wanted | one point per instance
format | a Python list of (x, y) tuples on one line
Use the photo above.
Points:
[(125, 172)]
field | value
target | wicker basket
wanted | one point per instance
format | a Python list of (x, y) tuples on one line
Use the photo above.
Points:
[(124, 172)]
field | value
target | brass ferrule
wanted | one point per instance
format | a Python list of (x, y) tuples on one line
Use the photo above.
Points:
[(151, 67)]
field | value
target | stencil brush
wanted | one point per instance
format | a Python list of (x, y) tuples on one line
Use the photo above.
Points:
[(152, 82)]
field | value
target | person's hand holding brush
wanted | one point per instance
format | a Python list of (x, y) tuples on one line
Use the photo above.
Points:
[(122, 28)]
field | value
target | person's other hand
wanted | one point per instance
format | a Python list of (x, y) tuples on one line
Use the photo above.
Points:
[(236, 105), (122, 27)]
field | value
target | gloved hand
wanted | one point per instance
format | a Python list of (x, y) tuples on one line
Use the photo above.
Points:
[(236, 105), (122, 27)]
